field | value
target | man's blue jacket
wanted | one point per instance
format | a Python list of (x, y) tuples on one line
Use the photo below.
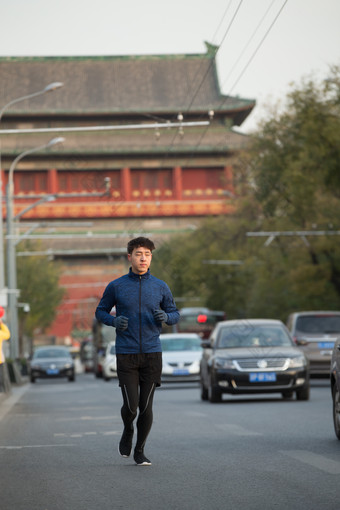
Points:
[(137, 297)]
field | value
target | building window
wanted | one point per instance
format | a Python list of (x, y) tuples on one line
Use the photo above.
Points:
[(30, 182), (87, 182), (152, 183), (202, 183)]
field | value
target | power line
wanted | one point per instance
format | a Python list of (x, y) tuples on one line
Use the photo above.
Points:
[(187, 109), (212, 60), (222, 19), (244, 69), (256, 49), (249, 40)]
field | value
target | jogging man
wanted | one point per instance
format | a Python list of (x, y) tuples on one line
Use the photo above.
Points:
[(142, 303)]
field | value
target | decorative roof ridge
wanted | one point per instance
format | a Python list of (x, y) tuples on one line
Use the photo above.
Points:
[(211, 51)]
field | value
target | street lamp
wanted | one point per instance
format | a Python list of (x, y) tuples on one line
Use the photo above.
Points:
[(11, 254), (50, 87)]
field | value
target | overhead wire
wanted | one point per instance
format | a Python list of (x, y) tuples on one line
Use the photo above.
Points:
[(187, 109), (243, 70), (212, 61), (248, 42), (257, 48)]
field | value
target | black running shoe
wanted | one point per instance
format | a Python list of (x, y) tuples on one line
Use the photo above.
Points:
[(140, 458), (125, 444)]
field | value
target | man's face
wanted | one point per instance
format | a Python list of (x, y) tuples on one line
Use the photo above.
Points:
[(140, 260)]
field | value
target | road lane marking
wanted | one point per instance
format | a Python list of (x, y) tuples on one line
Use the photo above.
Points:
[(196, 414), (313, 459), (85, 418), (237, 430), (82, 434), (35, 446)]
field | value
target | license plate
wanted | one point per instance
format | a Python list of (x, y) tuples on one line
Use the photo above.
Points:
[(325, 345), (180, 371), (52, 371), (262, 377)]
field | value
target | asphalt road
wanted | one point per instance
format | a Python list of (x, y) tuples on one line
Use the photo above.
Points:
[(58, 450)]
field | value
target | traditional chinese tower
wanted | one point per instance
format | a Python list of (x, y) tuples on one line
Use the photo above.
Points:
[(160, 178)]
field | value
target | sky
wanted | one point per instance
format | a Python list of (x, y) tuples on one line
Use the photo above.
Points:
[(265, 46)]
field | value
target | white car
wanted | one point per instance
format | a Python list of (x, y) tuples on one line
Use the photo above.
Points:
[(110, 362), (182, 353)]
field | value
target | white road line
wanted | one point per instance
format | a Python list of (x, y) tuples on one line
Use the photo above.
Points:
[(78, 434), (35, 446), (313, 459), (237, 430), (85, 418)]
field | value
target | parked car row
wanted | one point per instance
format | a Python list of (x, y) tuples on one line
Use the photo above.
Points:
[(248, 356)]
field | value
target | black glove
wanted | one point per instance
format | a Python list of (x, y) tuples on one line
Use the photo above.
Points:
[(160, 316), (122, 323)]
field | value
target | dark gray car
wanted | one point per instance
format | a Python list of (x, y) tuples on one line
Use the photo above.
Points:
[(315, 333), (52, 361), (252, 356)]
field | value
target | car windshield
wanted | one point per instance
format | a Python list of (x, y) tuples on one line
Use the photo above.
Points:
[(181, 344), (252, 336), (318, 323), (51, 353)]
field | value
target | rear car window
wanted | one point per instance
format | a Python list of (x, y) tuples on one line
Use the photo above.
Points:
[(318, 323)]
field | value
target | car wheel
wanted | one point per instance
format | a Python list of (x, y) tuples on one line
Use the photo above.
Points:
[(214, 394), (303, 394), (336, 410), (72, 378), (204, 391), (287, 394), (32, 379)]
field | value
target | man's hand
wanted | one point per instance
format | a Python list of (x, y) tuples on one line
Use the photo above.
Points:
[(160, 316), (122, 323)]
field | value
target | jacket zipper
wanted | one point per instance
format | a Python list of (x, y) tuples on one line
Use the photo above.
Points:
[(140, 313)]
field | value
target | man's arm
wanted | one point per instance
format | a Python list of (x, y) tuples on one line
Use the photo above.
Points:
[(105, 306), (169, 307)]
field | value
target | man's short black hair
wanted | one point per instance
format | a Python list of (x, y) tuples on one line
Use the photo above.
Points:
[(140, 242)]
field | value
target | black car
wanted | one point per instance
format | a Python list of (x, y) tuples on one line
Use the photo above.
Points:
[(252, 356), (50, 362), (335, 387)]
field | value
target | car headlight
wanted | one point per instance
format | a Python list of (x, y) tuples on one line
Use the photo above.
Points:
[(297, 362), (224, 363)]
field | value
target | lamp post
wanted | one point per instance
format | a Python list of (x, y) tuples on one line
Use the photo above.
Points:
[(50, 87), (11, 254)]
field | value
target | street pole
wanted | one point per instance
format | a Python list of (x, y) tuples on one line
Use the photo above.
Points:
[(11, 252), (52, 86)]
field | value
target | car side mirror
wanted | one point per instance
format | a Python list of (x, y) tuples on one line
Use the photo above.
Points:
[(206, 344)]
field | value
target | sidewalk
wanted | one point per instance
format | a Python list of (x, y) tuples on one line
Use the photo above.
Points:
[(8, 400)]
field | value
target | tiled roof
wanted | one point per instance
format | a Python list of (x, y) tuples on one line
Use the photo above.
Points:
[(217, 139), (119, 85)]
